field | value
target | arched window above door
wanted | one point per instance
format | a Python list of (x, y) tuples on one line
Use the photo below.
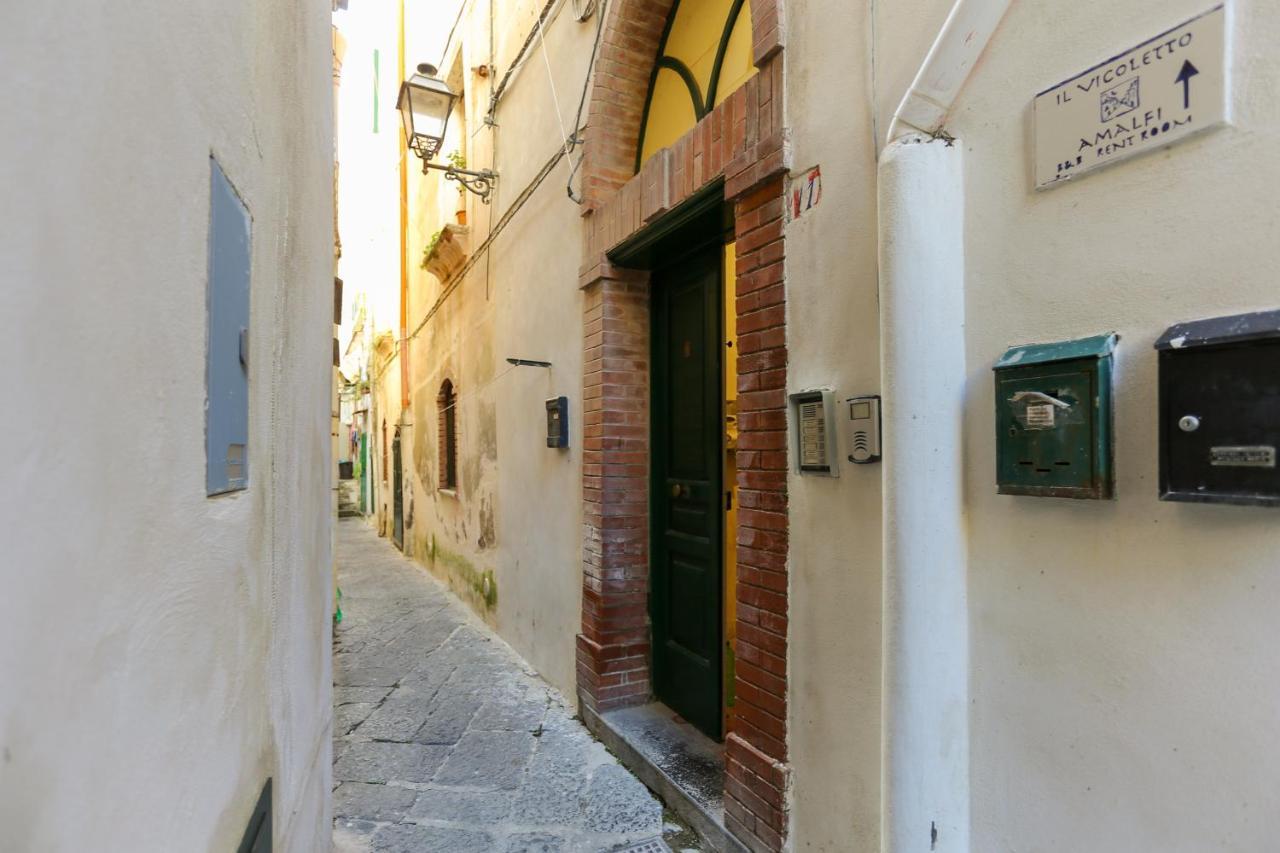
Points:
[(704, 55)]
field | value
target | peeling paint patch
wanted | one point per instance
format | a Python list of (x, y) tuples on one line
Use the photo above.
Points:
[(488, 538), (488, 431), (424, 451)]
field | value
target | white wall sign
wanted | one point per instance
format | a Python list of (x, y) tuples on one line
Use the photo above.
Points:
[(1160, 92)]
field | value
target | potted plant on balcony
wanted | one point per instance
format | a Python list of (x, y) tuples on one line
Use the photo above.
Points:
[(458, 160)]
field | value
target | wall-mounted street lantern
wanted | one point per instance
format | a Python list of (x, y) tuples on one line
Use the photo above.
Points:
[(425, 104)]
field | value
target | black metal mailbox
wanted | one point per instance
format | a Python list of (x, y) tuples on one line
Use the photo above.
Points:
[(558, 422), (1220, 410)]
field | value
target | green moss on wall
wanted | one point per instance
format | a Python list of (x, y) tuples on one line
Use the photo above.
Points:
[(478, 586)]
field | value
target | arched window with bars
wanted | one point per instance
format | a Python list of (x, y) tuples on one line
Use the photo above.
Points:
[(447, 434)]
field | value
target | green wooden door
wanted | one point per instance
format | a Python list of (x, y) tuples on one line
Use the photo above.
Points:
[(685, 565)]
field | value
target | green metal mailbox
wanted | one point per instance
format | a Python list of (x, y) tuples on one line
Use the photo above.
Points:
[(1053, 419)]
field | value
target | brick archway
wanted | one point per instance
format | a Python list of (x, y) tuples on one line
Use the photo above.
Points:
[(621, 81), (742, 141)]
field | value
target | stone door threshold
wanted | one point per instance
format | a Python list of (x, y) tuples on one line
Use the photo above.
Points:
[(680, 764)]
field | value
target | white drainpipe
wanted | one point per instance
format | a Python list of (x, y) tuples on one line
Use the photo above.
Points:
[(955, 51), (925, 785)]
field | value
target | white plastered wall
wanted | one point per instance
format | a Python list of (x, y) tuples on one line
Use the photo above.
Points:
[(833, 342), (1122, 665), (163, 653), (1124, 671)]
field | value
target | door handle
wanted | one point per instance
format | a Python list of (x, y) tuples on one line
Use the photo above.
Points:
[(677, 490)]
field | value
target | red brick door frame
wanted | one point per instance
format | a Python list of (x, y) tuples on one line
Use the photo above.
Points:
[(741, 140)]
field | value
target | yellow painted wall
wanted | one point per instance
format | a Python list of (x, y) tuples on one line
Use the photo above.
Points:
[(694, 40), (695, 35), (671, 113), (730, 472), (737, 66)]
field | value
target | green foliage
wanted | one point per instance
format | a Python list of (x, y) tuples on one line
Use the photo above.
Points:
[(431, 247)]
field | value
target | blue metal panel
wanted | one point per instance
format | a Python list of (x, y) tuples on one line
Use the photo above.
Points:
[(227, 377)]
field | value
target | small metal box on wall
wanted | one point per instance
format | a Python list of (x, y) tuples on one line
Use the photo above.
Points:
[(1220, 410), (227, 354), (1053, 419), (558, 422)]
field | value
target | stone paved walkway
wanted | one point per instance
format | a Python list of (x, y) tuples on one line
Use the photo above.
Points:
[(445, 740)]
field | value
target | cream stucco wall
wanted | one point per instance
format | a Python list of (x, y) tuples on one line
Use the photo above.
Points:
[(1122, 680), (163, 653), (833, 342), (508, 540)]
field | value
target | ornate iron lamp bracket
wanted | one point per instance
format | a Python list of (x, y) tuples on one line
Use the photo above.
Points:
[(480, 183)]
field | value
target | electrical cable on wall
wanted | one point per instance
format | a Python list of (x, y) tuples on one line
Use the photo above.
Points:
[(462, 7), (497, 229), (582, 101), (547, 16), (573, 141), (555, 100), (546, 20), (458, 398)]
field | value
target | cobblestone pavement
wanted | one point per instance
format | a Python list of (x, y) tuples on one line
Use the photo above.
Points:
[(445, 740)]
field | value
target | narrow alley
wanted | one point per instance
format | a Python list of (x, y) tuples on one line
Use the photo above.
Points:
[(641, 426), (444, 739)]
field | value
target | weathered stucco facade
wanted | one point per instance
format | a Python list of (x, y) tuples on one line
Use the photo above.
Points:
[(1113, 671), (164, 653), (481, 289)]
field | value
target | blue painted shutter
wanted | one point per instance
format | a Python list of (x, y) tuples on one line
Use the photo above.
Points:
[(227, 408)]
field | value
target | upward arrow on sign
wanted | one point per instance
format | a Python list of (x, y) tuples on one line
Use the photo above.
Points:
[(1184, 77)]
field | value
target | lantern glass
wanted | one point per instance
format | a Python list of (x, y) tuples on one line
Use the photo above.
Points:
[(425, 104)]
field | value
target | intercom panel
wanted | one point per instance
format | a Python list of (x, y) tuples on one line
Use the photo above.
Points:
[(813, 418), (864, 429)]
